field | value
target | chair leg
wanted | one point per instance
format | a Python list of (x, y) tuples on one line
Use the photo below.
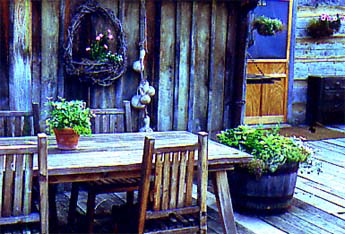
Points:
[(130, 197), (90, 210), (52, 205), (73, 203)]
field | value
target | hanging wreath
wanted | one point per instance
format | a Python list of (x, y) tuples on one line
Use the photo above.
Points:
[(102, 66)]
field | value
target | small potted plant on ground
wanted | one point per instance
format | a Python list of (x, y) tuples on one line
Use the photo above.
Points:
[(267, 26), (267, 182), (68, 120)]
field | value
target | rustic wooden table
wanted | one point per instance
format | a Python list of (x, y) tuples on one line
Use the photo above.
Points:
[(120, 155)]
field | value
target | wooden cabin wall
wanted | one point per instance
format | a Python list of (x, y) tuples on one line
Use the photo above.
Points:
[(321, 57), (195, 59)]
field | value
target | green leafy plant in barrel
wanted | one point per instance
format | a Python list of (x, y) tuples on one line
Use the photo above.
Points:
[(270, 150)]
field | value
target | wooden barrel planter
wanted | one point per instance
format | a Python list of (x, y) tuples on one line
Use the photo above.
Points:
[(271, 193)]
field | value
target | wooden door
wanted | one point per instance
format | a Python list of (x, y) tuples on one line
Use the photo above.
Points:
[(266, 97)]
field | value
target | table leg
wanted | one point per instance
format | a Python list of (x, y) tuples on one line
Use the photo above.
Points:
[(53, 217), (222, 192)]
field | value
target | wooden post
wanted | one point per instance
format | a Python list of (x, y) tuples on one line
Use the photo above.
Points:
[(43, 181), (203, 151)]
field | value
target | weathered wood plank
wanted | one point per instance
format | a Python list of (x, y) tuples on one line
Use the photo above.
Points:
[(131, 27), (319, 203), (320, 191), (166, 67), (217, 67), (316, 211), (328, 182), (49, 49), (182, 57), (20, 55), (199, 73), (4, 39), (328, 152), (18, 186), (292, 223), (36, 51)]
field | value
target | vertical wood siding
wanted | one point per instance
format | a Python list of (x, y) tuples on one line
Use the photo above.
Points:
[(195, 58)]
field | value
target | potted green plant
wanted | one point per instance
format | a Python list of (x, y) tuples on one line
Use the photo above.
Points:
[(266, 26), (324, 26), (267, 182), (68, 120)]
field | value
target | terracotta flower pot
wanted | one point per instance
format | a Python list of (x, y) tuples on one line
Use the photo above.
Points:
[(66, 138)]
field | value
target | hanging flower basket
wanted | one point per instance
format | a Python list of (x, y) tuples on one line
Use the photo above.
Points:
[(324, 26), (266, 26), (102, 70)]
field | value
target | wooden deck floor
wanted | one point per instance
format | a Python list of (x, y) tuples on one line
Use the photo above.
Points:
[(318, 205), (319, 200)]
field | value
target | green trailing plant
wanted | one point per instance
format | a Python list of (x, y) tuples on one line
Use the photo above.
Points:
[(267, 26), (69, 114), (271, 151), (324, 26)]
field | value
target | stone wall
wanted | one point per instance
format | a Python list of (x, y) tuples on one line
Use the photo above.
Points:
[(324, 56)]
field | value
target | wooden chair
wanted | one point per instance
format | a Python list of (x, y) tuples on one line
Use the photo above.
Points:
[(19, 123), (165, 194), (112, 120), (106, 121), (16, 182)]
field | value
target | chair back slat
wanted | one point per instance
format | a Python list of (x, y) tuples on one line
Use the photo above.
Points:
[(189, 179), (28, 185), (2, 170), (156, 191), (181, 178), (18, 185), (112, 120), (168, 183), (173, 182), (8, 184)]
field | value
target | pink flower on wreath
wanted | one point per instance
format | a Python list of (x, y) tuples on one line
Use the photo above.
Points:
[(105, 46), (109, 31), (98, 38), (88, 49), (110, 37), (324, 17)]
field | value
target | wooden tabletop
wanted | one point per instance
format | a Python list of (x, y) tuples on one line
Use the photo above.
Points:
[(101, 154)]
